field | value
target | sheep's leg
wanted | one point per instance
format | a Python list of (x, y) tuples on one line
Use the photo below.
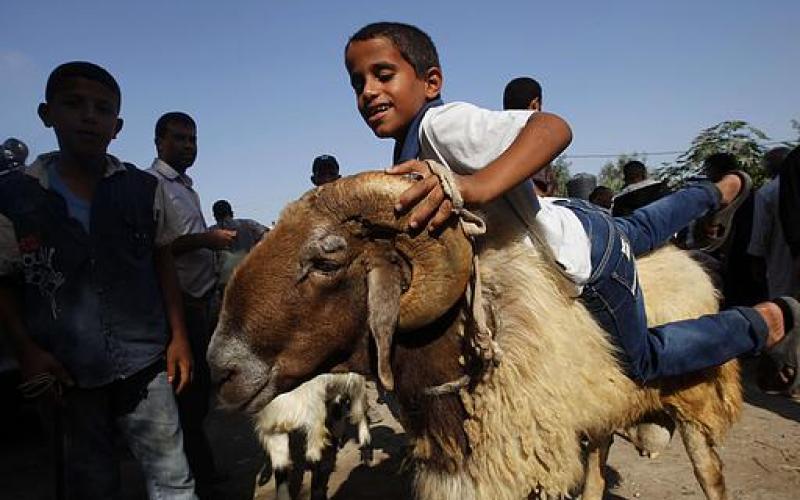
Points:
[(316, 441), (277, 446), (282, 485), (705, 461), (594, 484), (321, 472), (360, 419)]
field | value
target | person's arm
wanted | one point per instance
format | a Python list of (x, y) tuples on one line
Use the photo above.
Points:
[(540, 141), (32, 359), (257, 230), (214, 239), (179, 354)]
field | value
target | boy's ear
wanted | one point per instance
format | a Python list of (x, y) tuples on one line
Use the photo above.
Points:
[(44, 114), (535, 104), (433, 82), (118, 127)]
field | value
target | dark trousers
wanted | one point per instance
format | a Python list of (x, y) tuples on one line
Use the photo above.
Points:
[(193, 402)]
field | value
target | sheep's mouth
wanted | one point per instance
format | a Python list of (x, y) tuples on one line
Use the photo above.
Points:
[(261, 397), (233, 395)]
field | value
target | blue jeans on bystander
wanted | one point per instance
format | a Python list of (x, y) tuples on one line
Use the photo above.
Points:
[(143, 409)]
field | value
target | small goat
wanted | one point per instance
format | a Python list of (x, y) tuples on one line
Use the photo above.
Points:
[(305, 411)]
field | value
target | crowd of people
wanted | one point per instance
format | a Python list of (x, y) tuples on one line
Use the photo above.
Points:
[(110, 278)]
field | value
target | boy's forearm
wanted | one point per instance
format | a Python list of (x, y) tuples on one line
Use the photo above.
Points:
[(542, 139), (11, 321), (168, 279), (188, 243)]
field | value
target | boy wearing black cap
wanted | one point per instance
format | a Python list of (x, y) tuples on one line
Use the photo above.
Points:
[(81, 235), (325, 169)]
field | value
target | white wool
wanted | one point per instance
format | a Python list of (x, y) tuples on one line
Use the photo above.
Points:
[(304, 410), (559, 378)]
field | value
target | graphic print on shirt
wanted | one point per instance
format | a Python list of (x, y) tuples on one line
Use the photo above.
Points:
[(37, 265)]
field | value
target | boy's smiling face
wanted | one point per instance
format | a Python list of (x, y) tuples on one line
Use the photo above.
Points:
[(389, 93), (85, 116)]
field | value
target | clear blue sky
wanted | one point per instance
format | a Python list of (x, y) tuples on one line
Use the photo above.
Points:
[(266, 82)]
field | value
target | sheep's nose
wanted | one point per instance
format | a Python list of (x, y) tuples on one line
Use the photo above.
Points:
[(226, 356), (216, 357)]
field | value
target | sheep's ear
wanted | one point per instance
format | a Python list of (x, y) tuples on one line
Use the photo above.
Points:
[(384, 287)]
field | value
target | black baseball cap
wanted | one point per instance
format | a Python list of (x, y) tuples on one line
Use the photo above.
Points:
[(324, 162)]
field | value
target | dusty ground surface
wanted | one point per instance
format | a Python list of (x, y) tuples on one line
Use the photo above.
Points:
[(761, 455)]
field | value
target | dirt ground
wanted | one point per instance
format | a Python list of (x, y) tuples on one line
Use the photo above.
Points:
[(761, 455)]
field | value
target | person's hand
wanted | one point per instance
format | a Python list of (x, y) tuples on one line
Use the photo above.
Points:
[(220, 239), (35, 361), (431, 207), (179, 360)]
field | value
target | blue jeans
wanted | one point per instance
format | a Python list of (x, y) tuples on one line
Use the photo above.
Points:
[(143, 409), (613, 296)]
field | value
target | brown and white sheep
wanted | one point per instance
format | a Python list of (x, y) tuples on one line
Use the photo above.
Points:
[(341, 285)]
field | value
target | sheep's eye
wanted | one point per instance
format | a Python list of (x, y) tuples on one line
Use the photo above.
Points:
[(326, 266)]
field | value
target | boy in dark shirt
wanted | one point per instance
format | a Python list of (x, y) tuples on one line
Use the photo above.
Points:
[(89, 293)]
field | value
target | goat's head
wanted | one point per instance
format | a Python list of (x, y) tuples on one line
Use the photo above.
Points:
[(339, 268)]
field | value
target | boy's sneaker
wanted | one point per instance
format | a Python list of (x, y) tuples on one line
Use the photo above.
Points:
[(712, 230)]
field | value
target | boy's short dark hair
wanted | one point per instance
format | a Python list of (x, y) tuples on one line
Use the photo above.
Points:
[(80, 69), (414, 45), (601, 196), (519, 93), (172, 117), (221, 207), (634, 171)]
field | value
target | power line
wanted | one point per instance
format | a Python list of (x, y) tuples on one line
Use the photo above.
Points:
[(609, 155), (654, 153)]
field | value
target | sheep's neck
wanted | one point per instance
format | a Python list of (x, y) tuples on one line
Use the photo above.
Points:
[(422, 359)]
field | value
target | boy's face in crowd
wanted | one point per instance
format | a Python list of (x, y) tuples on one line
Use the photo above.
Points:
[(388, 91), (85, 116), (178, 146), (325, 175), (221, 217)]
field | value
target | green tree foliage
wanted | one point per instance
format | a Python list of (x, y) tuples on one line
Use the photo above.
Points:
[(561, 170), (611, 173), (736, 137)]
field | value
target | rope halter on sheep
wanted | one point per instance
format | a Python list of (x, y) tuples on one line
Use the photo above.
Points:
[(482, 341)]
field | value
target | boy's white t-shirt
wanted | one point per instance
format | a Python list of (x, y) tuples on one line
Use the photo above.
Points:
[(466, 138)]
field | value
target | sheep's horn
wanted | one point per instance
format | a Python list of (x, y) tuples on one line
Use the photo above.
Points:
[(440, 265)]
